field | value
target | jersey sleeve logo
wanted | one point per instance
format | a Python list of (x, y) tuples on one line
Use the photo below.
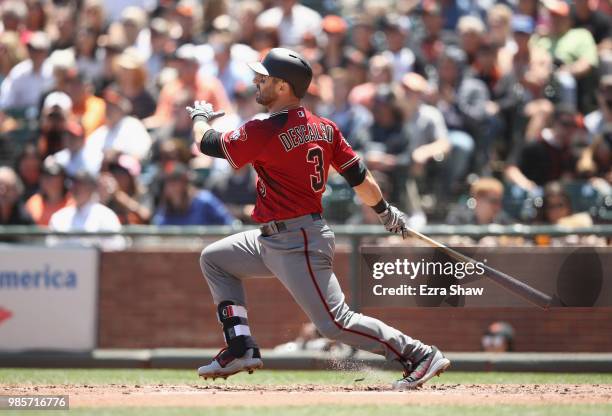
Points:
[(239, 134), (261, 188)]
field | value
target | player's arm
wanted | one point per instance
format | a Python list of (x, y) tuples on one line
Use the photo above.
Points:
[(207, 139), (368, 191)]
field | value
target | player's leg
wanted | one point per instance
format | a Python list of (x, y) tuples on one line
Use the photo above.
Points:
[(224, 264), (306, 271)]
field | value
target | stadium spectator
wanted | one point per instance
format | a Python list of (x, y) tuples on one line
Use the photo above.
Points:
[(133, 25), (205, 88), (380, 73), (596, 121), (11, 53), (425, 129), (37, 16), (484, 205), (246, 15), (574, 52), (65, 25), (121, 132), (165, 153), (293, 21), (529, 8), (53, 194), (585, 15), (462, 101), (523, 27), (499, 337), (226, 68), (450, 11), (362, 35), (88, 108), (184, 16), (62, 61), (504, 92), (353, 120), (22, 88), (214, 12), (131, 79), (499, 19), (160, 44), (471, 32), (501, 86), (120, 190), (56, 110), (28, 165), (557, 208), (115, 8), (432, 42), (88, 54), (182, 204), (335, 29), (385, 138), (13, 15), (87, 214), (93, 16), (265, 39), (73, 157), (12, 211), (595, 162), (539, 95), (548, 158), (113, 44), (396, 29), (180, 124)]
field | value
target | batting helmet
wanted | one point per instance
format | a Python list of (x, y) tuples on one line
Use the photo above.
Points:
[(287, 65)]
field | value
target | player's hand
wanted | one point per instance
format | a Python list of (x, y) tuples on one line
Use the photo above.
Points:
[(202, 109), (395, 221)]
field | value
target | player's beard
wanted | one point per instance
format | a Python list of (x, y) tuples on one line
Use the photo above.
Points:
[(263, 98)]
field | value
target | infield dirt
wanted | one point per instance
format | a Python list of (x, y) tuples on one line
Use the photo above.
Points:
[(218, 395)]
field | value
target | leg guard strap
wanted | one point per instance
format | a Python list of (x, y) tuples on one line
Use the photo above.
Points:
[(236, 330)]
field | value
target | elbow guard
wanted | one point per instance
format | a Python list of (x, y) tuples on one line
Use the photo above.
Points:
[(355, 174)]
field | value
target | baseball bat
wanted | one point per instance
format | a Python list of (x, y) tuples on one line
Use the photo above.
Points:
[(523, 290)]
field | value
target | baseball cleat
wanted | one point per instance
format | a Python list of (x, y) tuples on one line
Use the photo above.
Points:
[(225, 364), (433, 364)]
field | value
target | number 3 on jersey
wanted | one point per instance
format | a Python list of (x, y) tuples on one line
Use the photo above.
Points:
[(315, 156)]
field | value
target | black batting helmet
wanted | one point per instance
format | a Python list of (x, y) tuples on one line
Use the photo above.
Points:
[(287, 65)]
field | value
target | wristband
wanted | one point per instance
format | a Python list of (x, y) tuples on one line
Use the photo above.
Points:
[(199, 117), (381, 206)]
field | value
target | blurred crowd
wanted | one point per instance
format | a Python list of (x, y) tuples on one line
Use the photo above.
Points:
[(467, 111)]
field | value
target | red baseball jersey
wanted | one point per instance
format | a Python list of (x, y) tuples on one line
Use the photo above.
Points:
[(291, 152)]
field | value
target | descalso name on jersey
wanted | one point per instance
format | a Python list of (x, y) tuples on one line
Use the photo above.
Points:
[(306, 133)]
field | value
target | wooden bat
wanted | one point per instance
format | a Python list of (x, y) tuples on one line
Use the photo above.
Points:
[(509, 283)]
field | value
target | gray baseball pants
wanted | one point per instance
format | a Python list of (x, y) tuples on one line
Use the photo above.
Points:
[(300, 254)]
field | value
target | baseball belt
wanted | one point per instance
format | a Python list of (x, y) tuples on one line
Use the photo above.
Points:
[(275, 227)]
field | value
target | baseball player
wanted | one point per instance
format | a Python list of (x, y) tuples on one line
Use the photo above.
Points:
[(291, 152)]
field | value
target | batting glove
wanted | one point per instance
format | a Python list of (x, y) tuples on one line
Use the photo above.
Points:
[(202, 110), (394, 220)]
